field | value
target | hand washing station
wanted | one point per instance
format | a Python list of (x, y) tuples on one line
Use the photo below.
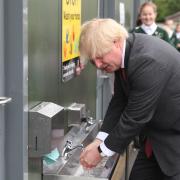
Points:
[(67, 166)]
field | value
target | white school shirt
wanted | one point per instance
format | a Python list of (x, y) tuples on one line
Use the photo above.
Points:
[(149, 29)]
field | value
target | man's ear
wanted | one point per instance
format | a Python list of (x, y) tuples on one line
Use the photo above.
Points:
[(117, 44)]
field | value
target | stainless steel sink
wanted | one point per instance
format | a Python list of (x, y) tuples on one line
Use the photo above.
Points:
[(65, 177), (71, 169)]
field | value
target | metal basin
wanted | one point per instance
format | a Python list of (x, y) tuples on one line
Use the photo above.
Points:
[(67, 177), (72, 169)]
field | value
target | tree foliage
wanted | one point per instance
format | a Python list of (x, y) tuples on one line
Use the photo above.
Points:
[(166, 8)]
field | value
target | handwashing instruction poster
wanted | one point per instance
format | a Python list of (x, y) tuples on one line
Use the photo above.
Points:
[(71, 24)]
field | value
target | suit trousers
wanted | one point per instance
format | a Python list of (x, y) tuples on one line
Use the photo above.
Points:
[(148, 168)]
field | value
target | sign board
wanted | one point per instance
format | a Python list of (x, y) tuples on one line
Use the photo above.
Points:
[(71, 24)]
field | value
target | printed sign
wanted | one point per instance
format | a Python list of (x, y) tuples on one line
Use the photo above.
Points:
[(71, 23)]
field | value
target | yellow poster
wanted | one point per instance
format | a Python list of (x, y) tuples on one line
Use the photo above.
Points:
[(71, 22)]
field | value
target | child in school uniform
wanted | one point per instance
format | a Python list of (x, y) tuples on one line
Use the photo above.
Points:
[(177, 38), (147, 15)]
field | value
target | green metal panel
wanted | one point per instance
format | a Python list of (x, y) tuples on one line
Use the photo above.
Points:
[(45, 53), (43, 50)]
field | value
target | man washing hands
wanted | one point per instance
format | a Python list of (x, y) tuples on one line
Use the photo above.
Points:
[(146, 99), (91, 155)]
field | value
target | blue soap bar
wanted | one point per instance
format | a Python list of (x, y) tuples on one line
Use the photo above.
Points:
[(52, 156)]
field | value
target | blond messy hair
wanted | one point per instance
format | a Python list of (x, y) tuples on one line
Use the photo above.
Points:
[(97, 37)]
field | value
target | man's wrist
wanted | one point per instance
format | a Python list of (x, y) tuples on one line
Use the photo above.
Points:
[(100, 152), (108, 152), (102, 135)]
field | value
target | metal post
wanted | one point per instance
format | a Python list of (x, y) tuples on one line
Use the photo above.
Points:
[(15, 12), (2, 123)]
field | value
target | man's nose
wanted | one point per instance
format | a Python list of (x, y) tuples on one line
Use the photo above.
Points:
[(98, 63)]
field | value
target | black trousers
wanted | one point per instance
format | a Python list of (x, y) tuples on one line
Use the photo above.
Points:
[(148, 169)]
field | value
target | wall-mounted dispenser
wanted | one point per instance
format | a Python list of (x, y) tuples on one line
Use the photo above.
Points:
[(42, 119), (75, 114)]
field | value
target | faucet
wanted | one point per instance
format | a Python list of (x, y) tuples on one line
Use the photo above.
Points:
[(90, 121), (68, 148)]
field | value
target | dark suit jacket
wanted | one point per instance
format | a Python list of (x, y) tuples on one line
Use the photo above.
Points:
[(149, 102)]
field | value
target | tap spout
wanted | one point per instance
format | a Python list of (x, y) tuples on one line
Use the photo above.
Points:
[(68, 148), (77, 146)]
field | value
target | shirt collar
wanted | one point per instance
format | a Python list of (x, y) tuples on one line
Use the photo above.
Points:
[(123, 54), (149, 29), (178, 35)]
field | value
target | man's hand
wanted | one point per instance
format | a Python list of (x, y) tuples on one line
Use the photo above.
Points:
[(90, 157), (79, 68)]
